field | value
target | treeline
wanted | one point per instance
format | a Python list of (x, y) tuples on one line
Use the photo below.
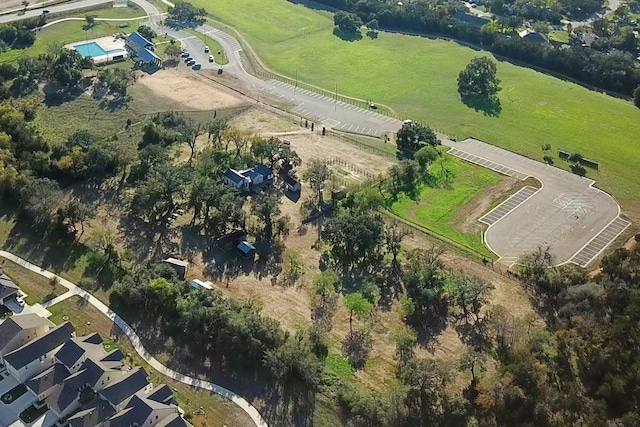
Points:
[(19, 34), (614, 71)]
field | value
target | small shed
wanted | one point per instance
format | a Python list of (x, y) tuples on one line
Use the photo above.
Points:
[(231, 240), (178, 265), (246, 250), (197, 284), (292, 184)]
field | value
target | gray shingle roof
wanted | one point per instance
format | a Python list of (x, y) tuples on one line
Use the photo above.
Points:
[(30, 320), (7, 287), (137, 411), (48, 379), (161, 393), (120, 390), (89, 373), (75, 348), (61, 397), (95, 413), (113, 356), (174, 420), (34, 349)]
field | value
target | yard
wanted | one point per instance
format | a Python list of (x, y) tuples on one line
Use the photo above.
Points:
[(38, 288), (420, 83), (56, 121)]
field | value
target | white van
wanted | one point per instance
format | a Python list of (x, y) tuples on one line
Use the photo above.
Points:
[(407, 122)]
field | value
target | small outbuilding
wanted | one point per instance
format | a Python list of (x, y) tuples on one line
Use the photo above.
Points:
[(178, 265), (197, 284), (246, 250), (292, 184), (231, 240)]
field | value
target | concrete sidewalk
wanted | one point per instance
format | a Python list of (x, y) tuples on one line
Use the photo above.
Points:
[(135, 339)]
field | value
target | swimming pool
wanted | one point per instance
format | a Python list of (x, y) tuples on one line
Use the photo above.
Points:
[(91, 49)]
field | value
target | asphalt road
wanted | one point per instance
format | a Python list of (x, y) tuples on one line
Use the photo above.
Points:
[(568, 214)]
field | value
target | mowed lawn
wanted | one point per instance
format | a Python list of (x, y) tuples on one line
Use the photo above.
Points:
[(74, 31), (438, 207), (416, 76)]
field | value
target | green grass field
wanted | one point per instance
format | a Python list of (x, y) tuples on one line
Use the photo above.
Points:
[(58, 122), (417, 77), (439, 208), (73, 31)]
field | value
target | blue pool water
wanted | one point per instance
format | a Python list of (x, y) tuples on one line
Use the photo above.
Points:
[(91, 49)]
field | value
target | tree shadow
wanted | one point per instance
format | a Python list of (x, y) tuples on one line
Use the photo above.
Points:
[(372, 34), (490, 106), (348, 37)]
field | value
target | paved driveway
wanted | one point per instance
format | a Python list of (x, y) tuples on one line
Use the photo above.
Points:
[(576, 220)]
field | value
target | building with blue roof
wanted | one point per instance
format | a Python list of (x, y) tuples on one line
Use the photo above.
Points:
[(141, 50)]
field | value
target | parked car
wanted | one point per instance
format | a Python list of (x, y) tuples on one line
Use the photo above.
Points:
[(20, 301), (190, 63), (188, 58), (185, 54), (210, 58), (196, 66), (206, 49), (407, 122)]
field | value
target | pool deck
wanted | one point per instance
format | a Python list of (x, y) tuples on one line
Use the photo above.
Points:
[(113, 46)]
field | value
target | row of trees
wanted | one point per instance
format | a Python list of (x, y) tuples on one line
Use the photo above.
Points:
[(615, 71)]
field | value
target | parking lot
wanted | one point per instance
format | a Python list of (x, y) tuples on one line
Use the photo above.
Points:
[(576, 220)]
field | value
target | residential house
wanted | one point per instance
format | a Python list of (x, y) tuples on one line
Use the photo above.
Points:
[(586, 39), (37, 355), (141, 50), (79, 382), (16, 331), (533, 36), (250, 179), (8, 289)]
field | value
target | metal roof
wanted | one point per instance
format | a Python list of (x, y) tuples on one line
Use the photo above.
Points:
[(148, 56), (246, 247), (234, 176), (138, 39)]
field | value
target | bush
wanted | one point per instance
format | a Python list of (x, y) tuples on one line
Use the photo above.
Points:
[(578, 169)]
